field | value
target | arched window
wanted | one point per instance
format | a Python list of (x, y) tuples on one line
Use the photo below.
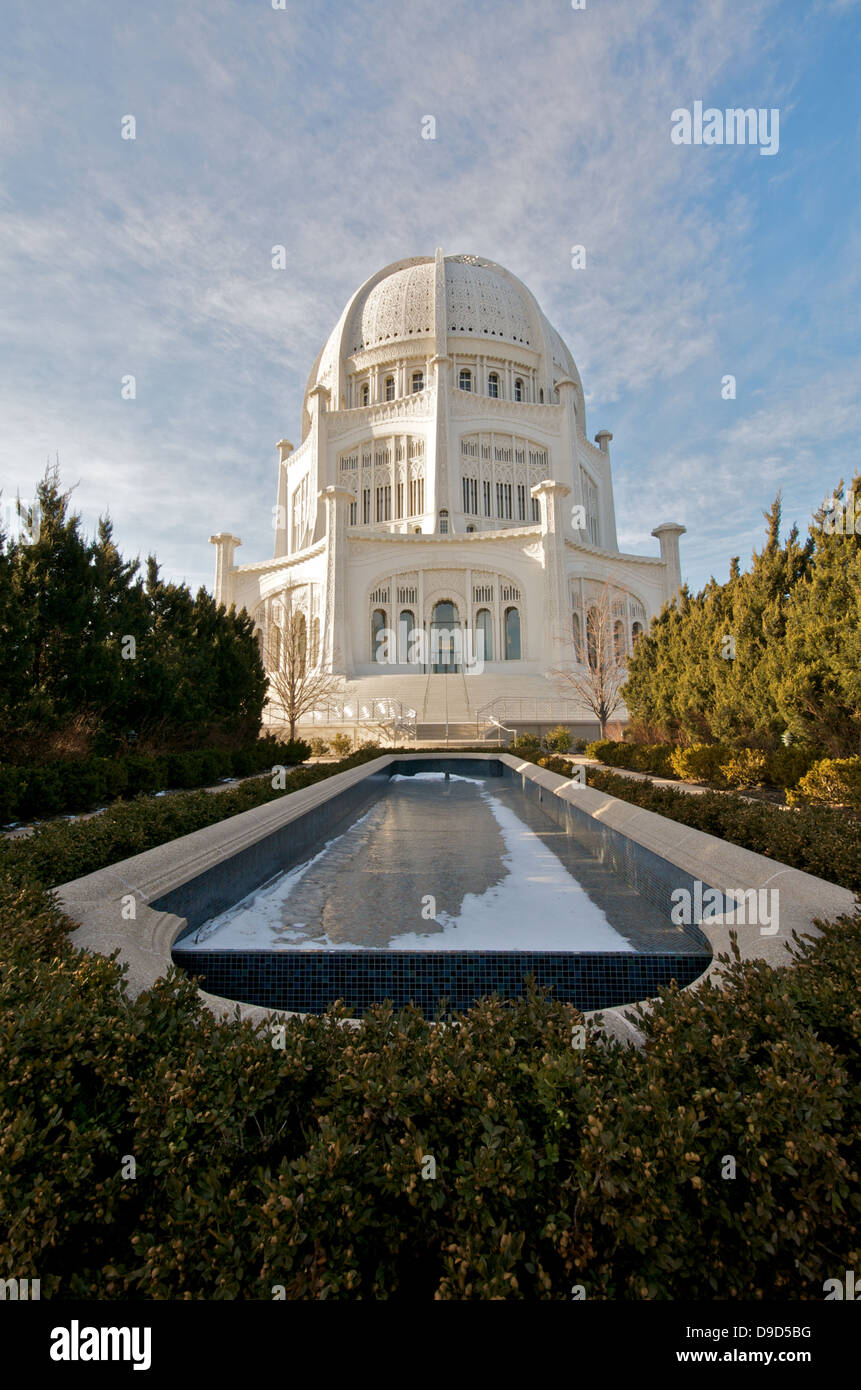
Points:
[(258, 637), (445, 638), (577, 634), (512, 634), (443, 522), (493, 384), (366, 394), (636, 631), (518, 389), (275, 649), (418, 382), (618, 641), (464, 381), (541, 396), (484, 634), (315, 641), (406, 623), (378, 627), (390, 388)]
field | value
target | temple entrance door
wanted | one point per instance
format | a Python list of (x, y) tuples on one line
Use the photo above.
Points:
[(445, 639)]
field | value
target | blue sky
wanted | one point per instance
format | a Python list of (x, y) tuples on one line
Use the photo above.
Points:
[(302, 127)]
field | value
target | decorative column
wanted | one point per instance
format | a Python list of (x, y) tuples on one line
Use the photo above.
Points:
[(335, 638), (568, 444), (668, 535), (437, 479), (318, 463), (556, 641), (437, 466), (279, 521), (225, 544), (608, 507)]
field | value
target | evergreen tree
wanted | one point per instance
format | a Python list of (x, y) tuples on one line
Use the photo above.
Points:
[(94, 653), (818, 670)]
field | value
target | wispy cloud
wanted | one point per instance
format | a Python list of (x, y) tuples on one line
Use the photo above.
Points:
[(301, 127)]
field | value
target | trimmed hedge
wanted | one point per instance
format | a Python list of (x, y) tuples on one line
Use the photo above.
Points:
[(64, 850), (301, 1167), (82, 784), (639, 757), (816, 839), (717, 763)]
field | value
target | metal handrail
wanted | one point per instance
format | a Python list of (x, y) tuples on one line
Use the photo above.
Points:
[(494, 723), (555, 707), (382, 711)]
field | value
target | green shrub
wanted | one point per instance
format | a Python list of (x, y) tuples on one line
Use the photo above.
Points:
[(745, 767), (699, 762), (341, 744), (116, 778), (525, 743), (787, 765), (145, 774), (11, 779), (302, 1166), (554, 764), (600, 748), (43, 791), (319, 747), (82, 784), (244, 762), (558, 740), (836, 781), (61, 850), (654, 758)]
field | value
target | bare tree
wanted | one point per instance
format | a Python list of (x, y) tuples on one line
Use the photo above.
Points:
[(295, 677), (599, 653)]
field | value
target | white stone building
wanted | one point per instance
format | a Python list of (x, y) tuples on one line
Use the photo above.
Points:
[(445, 481)]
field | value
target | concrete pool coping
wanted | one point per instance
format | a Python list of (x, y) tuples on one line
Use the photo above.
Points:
[(97, 901)]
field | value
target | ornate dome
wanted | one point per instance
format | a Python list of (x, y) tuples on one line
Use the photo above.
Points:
[(398, 307), (403, 304)]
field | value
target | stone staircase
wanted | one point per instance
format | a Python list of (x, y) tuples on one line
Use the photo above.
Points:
[(449, 708)]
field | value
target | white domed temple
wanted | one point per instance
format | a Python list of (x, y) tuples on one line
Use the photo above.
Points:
[(445, 487)]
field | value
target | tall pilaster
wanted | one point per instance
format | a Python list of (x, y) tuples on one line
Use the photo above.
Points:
[(608, 506), (668, 535), (337, 655), (438, 483), (318, 405), (568, 435), (556, 641), (225, 544), (285, 449)]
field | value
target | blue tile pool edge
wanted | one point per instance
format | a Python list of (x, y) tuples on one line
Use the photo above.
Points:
[(309, 981)]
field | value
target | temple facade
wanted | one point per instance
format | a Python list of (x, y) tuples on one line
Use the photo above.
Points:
[(445, 513)]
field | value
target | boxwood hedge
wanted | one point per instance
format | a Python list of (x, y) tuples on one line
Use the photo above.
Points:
[(82, 784), (718, 763), (62, 850), (489, 1159)]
